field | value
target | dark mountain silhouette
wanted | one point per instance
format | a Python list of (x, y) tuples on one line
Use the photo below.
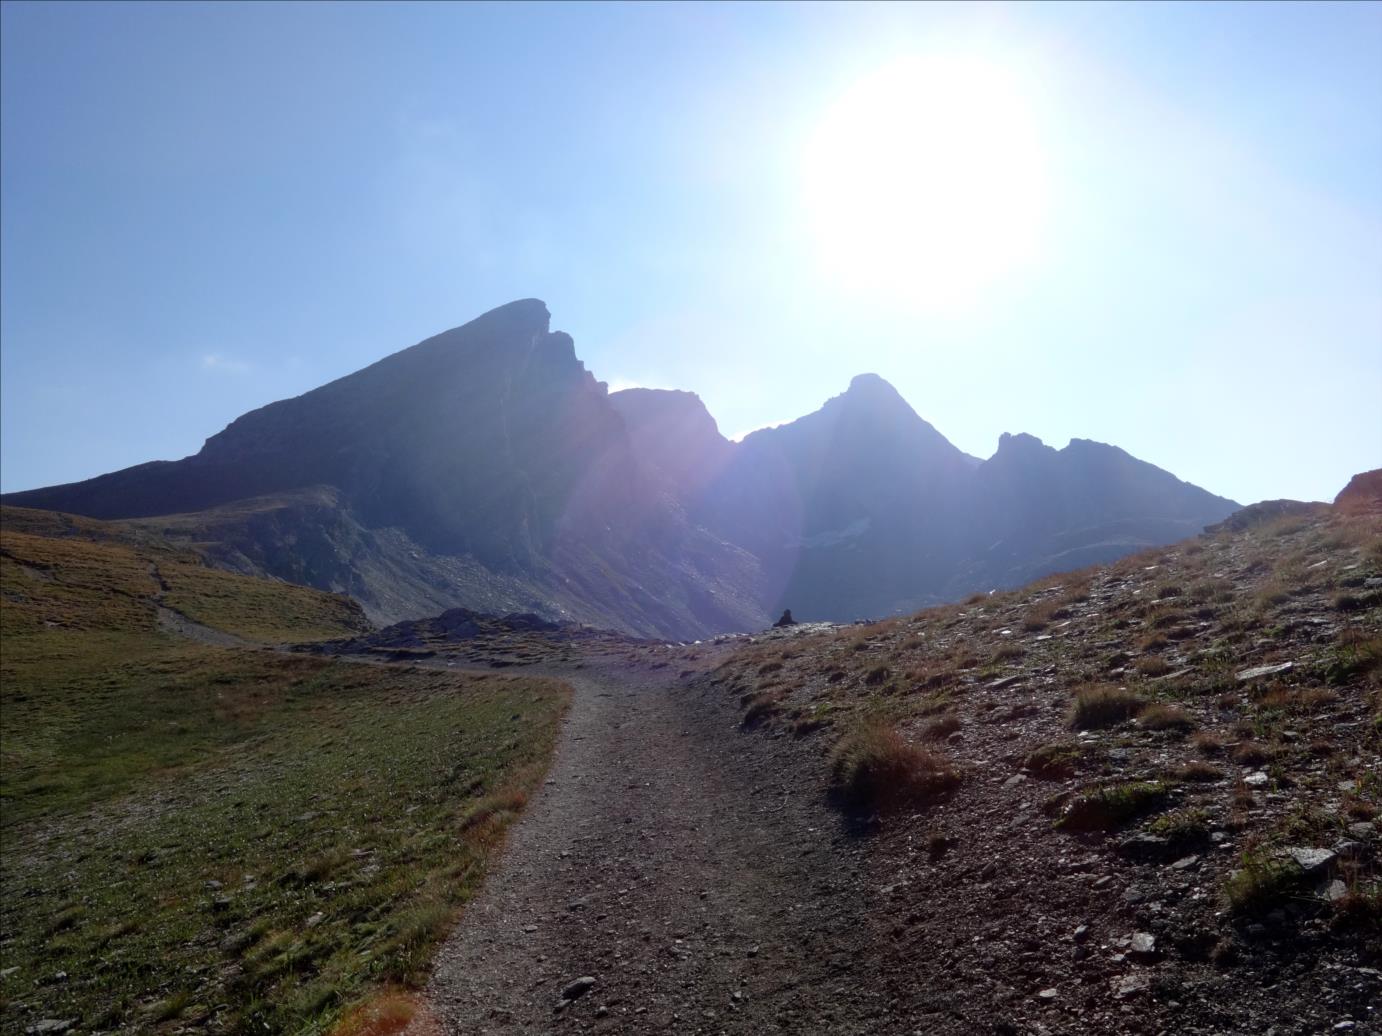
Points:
[(485, 468), (853, 509)]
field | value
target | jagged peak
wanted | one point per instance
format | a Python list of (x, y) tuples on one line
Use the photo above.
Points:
[(1020, 441), (870, 384), (643, 405)]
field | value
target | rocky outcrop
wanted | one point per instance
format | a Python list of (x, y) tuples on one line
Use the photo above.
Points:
[(1362, 495)]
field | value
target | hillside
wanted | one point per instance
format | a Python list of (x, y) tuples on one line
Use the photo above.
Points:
[(485, 468), (1134, 798), (200, 829)]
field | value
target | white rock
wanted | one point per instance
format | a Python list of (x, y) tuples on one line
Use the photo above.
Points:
[(1312, 860), (1264, 670)]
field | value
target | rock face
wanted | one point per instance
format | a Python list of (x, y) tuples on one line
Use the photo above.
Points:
[(485, 468), (1362, 495)]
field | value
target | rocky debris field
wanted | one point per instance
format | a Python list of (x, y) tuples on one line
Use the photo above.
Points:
[(466, 638), (1138, 798)]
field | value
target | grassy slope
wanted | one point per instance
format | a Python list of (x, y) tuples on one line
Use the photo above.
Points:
[(235, 836)]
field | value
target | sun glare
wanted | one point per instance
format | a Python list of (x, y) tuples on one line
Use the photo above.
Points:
[(926, 181)]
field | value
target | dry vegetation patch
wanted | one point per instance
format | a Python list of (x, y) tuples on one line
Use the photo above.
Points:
[(876, 770)]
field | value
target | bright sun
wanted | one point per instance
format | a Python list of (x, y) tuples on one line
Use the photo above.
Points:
[(926, 182)]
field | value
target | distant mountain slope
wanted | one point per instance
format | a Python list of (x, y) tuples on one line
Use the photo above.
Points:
[(1032, 510), (852, 508), (485, 468)]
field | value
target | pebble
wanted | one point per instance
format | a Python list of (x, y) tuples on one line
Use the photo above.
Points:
[(1143, 946), (1131, 985), (1048, 994), (1256, 780), (51, 1025)]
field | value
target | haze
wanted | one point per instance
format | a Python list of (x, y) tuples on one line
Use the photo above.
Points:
[(1157, 226)]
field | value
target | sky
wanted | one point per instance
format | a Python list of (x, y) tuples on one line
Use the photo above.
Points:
[(1158, 226)]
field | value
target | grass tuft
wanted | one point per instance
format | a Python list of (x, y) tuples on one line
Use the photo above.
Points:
[(1102, 706), (1166, 717), (1112, 806), (1261, 883), (875, 770)]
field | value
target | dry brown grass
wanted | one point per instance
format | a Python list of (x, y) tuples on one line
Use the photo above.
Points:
[(1166, 717), (759, 708), (876, 770), (1207, 742), (1101, 705), (388, 1013), (1251, 753), (1153, 665), (1197, 771), (1288, 699)]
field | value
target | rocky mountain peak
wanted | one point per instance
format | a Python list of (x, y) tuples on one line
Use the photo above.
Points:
[(1021, 443)]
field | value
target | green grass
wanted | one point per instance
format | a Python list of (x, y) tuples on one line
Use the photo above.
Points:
[(97, 576), (1060, 760), (1261, 883), (238, 838), (1113, 806), (371, 796)]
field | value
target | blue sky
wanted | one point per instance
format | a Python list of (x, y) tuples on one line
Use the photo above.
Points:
[(206, 208)]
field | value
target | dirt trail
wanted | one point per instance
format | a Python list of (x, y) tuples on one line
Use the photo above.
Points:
[(667, 859)]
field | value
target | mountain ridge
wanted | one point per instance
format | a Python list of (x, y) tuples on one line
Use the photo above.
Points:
[(485, 467)]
